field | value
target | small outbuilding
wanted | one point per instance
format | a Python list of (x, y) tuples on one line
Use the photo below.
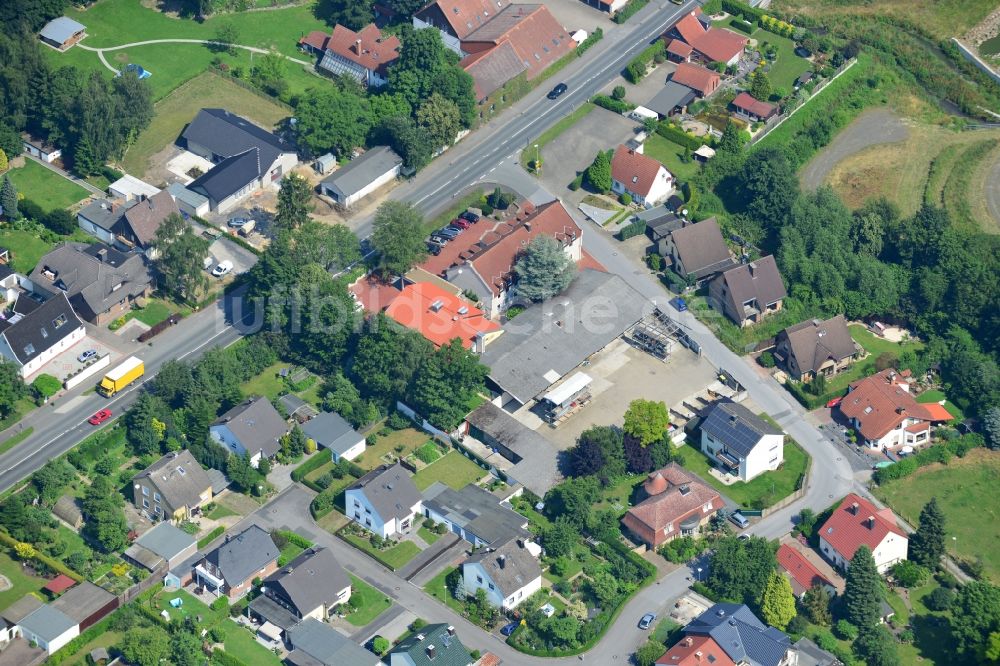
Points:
[(324, 164), (362, 176), (330, 431), (62, 33), (40, 148)]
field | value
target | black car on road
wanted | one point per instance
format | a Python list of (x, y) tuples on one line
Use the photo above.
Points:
[(558, 90)]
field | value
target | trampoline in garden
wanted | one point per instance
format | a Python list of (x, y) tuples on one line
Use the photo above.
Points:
[(138, 69)]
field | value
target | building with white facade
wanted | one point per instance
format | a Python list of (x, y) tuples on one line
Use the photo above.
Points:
[(741, 442), (33, 333), (886, 415), (384, 501), (644, 179), (857, 522), (508, 575), (365, 56)]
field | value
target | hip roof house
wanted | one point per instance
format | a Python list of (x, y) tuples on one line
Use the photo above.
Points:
[(231, 568), (34, 333), (310, 586), (384, 501), (253, 428), (677, 503), (885, 413), (743, 637), (816, 347)]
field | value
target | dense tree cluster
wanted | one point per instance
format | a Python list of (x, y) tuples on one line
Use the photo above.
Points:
[(544, 269)]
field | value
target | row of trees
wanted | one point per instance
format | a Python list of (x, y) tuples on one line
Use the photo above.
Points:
[(91, 118), (427, 101)]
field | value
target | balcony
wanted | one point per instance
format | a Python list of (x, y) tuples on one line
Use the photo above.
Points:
[(727, 459), (203, 573)]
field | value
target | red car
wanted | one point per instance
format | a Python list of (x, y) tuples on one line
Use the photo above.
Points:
[(100, 417), (835, 401), (460, 223)]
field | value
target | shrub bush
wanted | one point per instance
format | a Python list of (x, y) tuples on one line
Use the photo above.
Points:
[(611, 104), (625, 198), (577, 182), (909, 574), (940, 599), (618, 92), (629, 10), (679, 136), (314, 463), (633, 229), (592, 39), (846, 630)]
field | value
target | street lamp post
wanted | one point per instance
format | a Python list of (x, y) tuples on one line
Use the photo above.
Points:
[(538, 167), (699, 574)]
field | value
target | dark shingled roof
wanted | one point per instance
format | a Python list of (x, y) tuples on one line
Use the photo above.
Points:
[(741, 635), (40, 326), (535, 458), (736, 426), (257, 424), (510, 566), (758, 281), (316, 643), (448, 650), (670, 97), (331, 431), (228, 134), (311, 580), (240, 556), (477, 511), (360, 172), (701, 248), (179, 478), (813, 342), (230, 175), (390, 491)]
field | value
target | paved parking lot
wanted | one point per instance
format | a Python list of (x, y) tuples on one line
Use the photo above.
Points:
[(66, 364), (224, 249), (576, 15), (650, 85), (621, 374)]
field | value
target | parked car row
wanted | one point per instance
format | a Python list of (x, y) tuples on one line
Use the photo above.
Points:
[(440, 238)]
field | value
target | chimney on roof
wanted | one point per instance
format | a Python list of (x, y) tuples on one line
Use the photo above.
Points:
[(527, 225), (688, 642), (501, 560), (431, 652), (451, 630), (721, 612), (854, 508), (357, 46), (697, 655), (437, 305), (871, 522)]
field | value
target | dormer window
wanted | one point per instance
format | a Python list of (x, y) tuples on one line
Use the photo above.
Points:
[(29, 349), (59, 321), (45, 333)]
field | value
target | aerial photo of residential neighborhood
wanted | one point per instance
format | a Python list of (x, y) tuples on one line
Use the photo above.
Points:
[(482, 332)]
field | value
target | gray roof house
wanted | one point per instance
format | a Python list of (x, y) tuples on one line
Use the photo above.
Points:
[(138, 225), (362, 176), (253, 427), (62, 32), (173, 487), (21, 608), (813, 347), (672, 98), (189, 202), (100, 282), (34, 333), (330, 431), (696, 250), (246, 157), (384, 500), (810, 654), (231, 567), (509, 575), (164, 544), (85, 604), (740, 441), (550, 339), (748, 292), (743, 637), (317, 644), (434, 645), (474, 514), (49, 628), (534, 458), (310, 586)]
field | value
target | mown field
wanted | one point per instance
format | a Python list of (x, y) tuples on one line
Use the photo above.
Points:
[(965, 489), (938, 165), (948, 18)]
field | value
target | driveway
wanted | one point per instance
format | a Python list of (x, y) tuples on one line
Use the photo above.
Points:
[(870, 128), (224, 249), (575, 15), (576, 148), (647, 88), (65, 363)]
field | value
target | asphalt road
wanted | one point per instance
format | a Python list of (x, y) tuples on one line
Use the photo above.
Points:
[(61, 425)]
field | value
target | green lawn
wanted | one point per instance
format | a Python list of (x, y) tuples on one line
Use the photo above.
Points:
[(760, 492), (13, 441), (439, 590), (21, 583), (966, 490), (104, 640), (220, 511), (394, 558), (549, 135), (268, 383), (241, 644), (670, 155), (454, 470), (788, 66), (406, 440), (46, 188), (289, 553), (370, 602), (427, 535), (875, 345), (937, 396)]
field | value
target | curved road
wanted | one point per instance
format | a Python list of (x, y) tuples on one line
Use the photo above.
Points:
[(253, 49)]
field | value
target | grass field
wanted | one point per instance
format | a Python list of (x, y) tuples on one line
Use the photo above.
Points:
[(439, 590), (46, 188), (370, 602), (670, 155), (407, 439), (549, 135), (934, 164), (428, 536), (945, 18), (966, 491), (394, 557), (21, 583), (453, 470), (179, 108), (761, 491), (787, 66)]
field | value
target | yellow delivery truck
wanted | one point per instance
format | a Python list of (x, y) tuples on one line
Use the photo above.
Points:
[(126, 373)]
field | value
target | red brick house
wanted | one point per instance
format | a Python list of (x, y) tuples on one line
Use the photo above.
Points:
[(677, 503)]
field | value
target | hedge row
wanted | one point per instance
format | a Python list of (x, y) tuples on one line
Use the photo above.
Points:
[(223, 658), (210, 537), (679, 136), (636, 69), (941, 453), (592, 39), (52, 563), (631, 230), (629, 10), (737, 8), (318, 459), (297, 539), (612, 104), (742, 25)]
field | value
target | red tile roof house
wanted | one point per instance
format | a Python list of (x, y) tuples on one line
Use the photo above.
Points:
[(802, 573), (703, 81), (707, 44), (482, 260), (750, 108), (529, 32), (644, 179), (456, 19), (884, 412), (857, 522), (677, 503), (441, 316), (364, 56), (696, 651)]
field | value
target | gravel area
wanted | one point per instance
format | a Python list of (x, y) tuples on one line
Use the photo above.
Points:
[(869, 129)]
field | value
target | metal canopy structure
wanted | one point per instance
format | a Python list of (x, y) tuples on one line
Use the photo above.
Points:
[(654, 334)]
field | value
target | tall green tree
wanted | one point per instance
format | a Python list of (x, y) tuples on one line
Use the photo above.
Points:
[(770, 186), (863, 591), (331, 119), (294, 202), (760, 85), (544, 269), (179, 259), (560, 538), (441, 119), (599, 450), (12, 387), (145, 646), (398, 237), (598, 174), (411, 141), (646, 420), (573, 499), (777, 605), (975, 616), (386, 360), (877, 647), (8, 199), (740, 570), (353, 14), (446, 385), (927, 543), (732, 139), (816, 605)]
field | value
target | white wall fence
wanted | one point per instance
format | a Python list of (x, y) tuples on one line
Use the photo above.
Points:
[(89, 371)]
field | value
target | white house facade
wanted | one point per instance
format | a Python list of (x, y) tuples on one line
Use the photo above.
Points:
[(891, 550), (745, 445), (384, 501), (477, 578), (857, 522)]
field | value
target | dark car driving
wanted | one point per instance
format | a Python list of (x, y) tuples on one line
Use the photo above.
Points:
[(558, 90)]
